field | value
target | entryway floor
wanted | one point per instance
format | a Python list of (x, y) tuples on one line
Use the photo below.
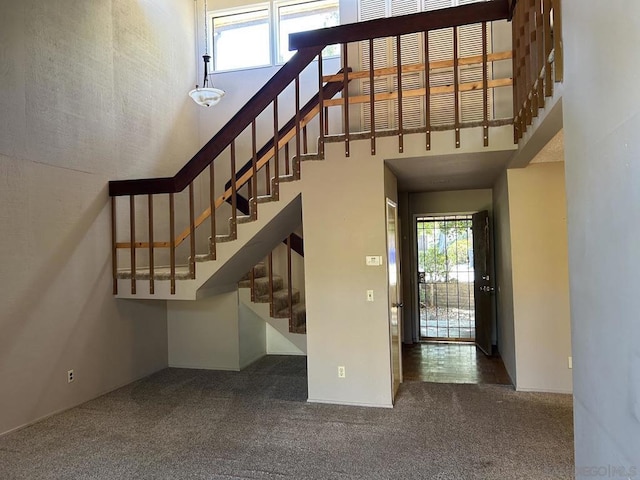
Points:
[(451, 363)]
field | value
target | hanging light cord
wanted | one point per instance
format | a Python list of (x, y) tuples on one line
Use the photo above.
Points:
[(206, 57)]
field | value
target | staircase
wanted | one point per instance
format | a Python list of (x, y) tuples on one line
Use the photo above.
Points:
[(283, 303), (162, 248)]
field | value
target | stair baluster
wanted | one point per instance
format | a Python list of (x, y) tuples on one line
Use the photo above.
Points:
[(289, 284), (254, 171), (151, 247), (132, 235), (212, 209), (345, 97), (276, 148), (192, 234), (234, 194), (172, 236)]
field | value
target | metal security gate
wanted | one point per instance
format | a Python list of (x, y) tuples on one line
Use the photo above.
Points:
[(446, 278)]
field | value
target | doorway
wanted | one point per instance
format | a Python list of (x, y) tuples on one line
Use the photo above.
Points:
[(446, 278)]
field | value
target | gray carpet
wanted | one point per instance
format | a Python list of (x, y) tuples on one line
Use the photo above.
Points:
[(256, 424)]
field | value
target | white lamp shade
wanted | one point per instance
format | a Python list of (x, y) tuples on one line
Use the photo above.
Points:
[(206, 97)]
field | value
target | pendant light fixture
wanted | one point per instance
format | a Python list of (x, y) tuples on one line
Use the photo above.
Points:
[(206, 96)]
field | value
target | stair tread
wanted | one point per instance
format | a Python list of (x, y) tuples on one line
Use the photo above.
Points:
[(297, 308), (282, 294), (159, 273)]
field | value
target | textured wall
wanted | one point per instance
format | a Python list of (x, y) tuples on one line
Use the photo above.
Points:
[(601, 109), (504, 277), (89, 91), (342, 226), (540, 275)]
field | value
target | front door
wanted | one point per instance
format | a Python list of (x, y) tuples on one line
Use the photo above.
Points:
[(395, 307), (483, 283)]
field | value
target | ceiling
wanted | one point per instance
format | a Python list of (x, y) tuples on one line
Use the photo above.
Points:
[(464, 171), (449, 172)]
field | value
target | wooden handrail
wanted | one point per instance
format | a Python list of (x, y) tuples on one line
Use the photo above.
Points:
[(214, 147), (308, 46), (394, 26), (330, 89)]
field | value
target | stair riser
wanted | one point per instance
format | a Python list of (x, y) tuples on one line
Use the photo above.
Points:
[(282, 302), (262, 287)]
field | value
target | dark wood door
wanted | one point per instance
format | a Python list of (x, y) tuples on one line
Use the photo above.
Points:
[(483, 283)]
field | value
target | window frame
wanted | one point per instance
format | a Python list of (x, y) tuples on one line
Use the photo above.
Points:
[(272, 7), (277, 4), (227, 12)]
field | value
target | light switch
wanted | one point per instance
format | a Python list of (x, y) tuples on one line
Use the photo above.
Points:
[(374, 260), (369, 295)]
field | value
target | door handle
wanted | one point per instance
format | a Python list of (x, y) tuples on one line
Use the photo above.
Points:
[(399, 305), (487, 289)]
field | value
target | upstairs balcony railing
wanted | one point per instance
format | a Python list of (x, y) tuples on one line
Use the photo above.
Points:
[(537, 59), (161, 233)]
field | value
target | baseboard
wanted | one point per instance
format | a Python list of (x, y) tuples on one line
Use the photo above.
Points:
[(537, 390), (350, 404), (200, 367), (280, 352)]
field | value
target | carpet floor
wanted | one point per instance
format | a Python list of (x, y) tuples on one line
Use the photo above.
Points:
[(256, 424)]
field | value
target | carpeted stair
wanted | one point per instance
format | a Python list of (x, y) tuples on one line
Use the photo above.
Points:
[(280, 304)]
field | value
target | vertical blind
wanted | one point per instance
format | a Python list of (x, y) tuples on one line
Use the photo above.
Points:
[(412, 51)]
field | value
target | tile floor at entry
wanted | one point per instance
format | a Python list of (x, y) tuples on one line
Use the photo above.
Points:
[(451, 363)]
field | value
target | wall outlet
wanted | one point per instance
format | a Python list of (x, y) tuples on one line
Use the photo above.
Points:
[(70, 376), (570, 362), (369, 295), (341, 372)]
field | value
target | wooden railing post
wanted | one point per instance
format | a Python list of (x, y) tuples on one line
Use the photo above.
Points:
[(254, 170), (320, 106), (270, 263), (132, 234), (372, 99), (114, 248), (234, 193), (456, 87), (548, 46), (399, 76), (558, 61), (151, 248), (192, 233), (289, 283), (172, 236), (540, 53), (485, 89), (345, 97), (212, 206), (296, 165), (276, 158), (427, 93)]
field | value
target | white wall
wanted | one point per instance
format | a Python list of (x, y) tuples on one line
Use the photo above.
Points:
[(601, 123), (89, 92), (342, 225), (504, 275), (540, 278)]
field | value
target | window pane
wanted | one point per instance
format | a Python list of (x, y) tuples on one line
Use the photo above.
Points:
[(306, 16), (241, 40)]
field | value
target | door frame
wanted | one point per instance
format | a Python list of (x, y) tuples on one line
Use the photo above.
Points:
[(413, 274), (398, 303)]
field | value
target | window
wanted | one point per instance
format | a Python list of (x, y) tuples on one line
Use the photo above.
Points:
[(241, 40), (300, 17), (256, 37)]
